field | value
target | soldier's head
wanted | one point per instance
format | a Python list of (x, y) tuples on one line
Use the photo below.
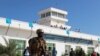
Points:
[(40, 32), (71, 49)]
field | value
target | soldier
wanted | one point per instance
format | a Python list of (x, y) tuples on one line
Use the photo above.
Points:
[(54, 51), (72, 53), (26, 52), (37, 45)]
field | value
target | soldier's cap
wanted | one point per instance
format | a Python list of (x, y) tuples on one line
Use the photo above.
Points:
[(39, 31)]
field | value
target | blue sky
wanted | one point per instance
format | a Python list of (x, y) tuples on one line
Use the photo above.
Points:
[(82, 14)]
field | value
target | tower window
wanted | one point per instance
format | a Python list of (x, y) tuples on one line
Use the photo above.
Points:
[(58, 14), (54, 13), (42, 15), (61, 15), (47, 14)]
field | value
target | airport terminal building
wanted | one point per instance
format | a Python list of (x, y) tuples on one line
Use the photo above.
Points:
[(53, 22)]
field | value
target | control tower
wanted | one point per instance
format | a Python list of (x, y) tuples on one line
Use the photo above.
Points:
[(53, 17)]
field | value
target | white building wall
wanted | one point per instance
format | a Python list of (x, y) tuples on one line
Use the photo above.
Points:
[(24, 31), (16, 32), (44, 21), (60, 47)]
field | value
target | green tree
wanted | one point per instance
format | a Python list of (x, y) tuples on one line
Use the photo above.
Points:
[(9, 49)]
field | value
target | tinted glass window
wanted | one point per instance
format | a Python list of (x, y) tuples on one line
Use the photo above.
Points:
[(61, 15), (42, 15), (47, 14), (54, 13)]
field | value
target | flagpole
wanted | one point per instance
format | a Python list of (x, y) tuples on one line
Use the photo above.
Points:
[(8, 21), (31, 26), (7, 29)]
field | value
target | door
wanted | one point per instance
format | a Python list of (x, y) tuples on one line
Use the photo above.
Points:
[(67, 50)]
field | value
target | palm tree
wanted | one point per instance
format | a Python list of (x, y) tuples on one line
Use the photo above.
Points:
[(9, 49)]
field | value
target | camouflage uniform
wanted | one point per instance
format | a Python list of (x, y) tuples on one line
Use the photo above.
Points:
[(37, 46)]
